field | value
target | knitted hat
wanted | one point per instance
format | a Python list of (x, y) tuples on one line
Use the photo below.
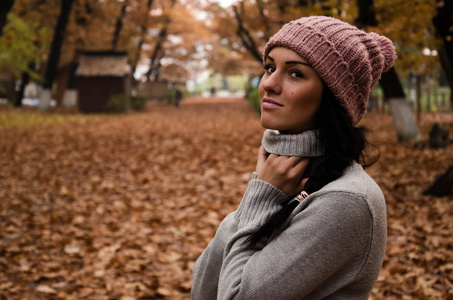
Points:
[(349, 60)]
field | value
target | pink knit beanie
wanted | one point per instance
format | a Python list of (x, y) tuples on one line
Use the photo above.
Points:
[(349, 60)]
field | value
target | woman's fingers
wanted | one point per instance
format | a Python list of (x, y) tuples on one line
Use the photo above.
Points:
[(301, 164), (294, 166), (301, 185), (262, 156), (284, 172)]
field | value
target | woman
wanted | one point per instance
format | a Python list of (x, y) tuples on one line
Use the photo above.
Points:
[(312, 223)]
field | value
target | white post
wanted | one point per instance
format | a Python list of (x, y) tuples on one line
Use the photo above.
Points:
[(44, 100), (403, 119), (70, 98)]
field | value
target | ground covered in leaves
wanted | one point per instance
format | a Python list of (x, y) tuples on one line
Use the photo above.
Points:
[(120, 207)]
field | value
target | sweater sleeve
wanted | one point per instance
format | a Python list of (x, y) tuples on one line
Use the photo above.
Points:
[(260, 201), (296, 263)]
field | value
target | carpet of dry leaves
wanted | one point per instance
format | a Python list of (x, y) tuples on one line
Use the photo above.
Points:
[(120, 207)]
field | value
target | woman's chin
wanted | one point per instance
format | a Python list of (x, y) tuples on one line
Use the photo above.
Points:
[(266, 124)]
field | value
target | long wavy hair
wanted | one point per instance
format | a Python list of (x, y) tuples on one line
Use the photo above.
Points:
[(343, 144)]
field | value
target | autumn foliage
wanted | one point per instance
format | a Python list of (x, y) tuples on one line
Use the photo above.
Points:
[(120, 207)]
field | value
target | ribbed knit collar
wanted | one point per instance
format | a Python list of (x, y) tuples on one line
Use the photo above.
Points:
[(304, 144)]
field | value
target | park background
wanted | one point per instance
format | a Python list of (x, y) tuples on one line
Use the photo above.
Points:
[(110, 188)]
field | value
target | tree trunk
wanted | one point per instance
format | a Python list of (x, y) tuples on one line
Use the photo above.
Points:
[(23, 84), (54, 57), (57, 43), (119, 26), (61, 80), (154, 65), (402, 114), (5, 7), (418, 93), (143, 29), (154, 62), (21, 91), (66, 93), (157, 69), (403, 119), (264, 20), (443, 22), (447, 68), (367, 15), (391, 85)]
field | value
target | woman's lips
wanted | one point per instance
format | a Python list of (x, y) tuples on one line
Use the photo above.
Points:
[(269, 103)]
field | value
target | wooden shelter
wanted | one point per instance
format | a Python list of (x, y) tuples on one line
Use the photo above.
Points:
[(101, 75), (173, 77)]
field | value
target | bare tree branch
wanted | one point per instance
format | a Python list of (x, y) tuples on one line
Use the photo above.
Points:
[(245, 36)]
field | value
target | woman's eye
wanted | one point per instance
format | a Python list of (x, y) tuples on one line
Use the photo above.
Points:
[(269, 69), (296, 74)]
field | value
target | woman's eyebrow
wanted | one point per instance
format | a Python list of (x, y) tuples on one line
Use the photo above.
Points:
[(298, 62), (291, 62)]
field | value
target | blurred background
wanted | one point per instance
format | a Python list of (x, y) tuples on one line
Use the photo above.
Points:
[(129, 130), (50, 48)]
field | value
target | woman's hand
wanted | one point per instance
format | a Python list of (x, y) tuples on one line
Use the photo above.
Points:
[(262, 156), (283, 172)]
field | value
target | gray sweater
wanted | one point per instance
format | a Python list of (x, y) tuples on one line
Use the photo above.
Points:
[(331, 247)]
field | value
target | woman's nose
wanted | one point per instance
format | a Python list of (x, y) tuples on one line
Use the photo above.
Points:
[(272, 83)]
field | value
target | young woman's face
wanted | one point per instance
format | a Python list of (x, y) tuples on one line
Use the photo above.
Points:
[(290, 92)]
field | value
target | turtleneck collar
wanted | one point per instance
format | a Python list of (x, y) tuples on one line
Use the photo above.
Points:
[(304, 144)]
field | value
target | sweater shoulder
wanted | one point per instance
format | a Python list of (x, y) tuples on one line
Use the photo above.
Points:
[(355, 188), (355, 181)]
